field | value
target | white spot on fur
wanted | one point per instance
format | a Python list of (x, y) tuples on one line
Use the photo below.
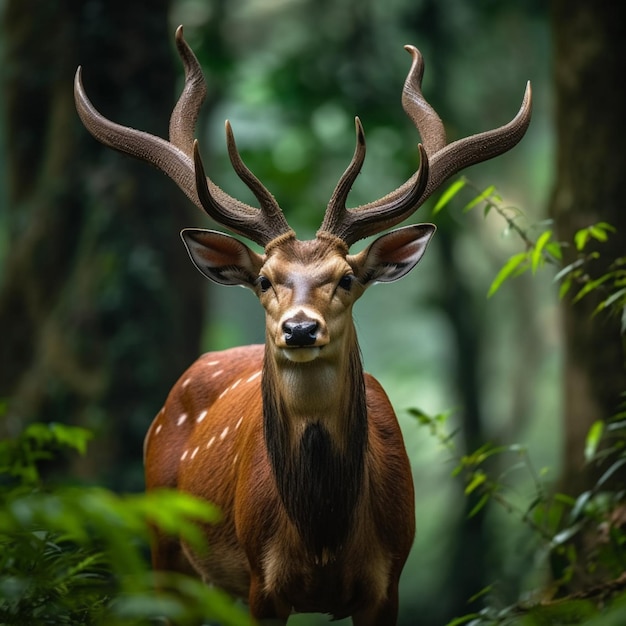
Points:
[(157, 430), (208, 445), (213, 363), (238, 424), (235, 459), (181, 419), (214, 374), (235, 383), (201, 416), (224, 433), (184, 455), (224, 393), (193, 454), (253, 376), (186, 382)]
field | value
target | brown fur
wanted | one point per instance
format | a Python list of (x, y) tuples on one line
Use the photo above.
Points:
[(258, 551)]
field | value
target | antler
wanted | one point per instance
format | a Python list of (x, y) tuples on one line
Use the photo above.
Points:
[(438, 161), (176, 157), (179, 158)]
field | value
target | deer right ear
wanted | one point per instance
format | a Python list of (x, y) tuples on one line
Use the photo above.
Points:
[(222, 258), (392, 255)]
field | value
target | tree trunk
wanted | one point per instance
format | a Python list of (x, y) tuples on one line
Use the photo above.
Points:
[(99, 307), (590, 64)]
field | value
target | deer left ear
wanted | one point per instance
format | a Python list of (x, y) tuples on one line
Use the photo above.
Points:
[(222, 258), (393, 255)]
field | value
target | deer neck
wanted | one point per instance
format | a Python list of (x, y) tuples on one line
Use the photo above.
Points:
[(315, 429)]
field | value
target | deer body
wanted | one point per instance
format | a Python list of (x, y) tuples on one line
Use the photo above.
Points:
[(257, 551), (299, 448)]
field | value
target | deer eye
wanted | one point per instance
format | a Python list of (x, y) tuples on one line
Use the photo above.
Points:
[(264, 283), (345, 282)]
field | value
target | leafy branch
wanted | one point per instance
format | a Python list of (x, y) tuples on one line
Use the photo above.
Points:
[(578, 536), (545, 250)]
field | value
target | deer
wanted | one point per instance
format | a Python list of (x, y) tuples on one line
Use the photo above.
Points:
[(299, 448)]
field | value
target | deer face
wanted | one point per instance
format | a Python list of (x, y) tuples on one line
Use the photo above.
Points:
[(307, 288)]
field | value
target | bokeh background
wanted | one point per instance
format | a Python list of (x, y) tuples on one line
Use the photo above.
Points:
[(101, 310)]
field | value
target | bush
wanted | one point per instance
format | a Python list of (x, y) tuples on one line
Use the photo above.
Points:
[(580, 536), (78, 555)]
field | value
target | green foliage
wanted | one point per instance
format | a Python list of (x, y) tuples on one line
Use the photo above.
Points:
[(555, 521), (77, 555), (19, 457), (582, 537), (543, 250)]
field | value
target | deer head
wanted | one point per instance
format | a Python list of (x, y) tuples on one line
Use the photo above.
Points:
[(305, 287)]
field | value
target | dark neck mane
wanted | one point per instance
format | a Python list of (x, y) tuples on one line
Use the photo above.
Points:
[(319, 481)]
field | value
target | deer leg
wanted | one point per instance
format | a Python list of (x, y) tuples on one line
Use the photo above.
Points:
[(168, 557), (263, 607), (385, 612)]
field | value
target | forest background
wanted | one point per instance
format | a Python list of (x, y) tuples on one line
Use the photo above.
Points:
[(101, 311)]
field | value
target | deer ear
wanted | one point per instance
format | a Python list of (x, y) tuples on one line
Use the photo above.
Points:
[(393, 255), (222, 258)]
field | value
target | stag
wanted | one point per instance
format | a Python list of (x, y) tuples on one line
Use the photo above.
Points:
[(300, 449)]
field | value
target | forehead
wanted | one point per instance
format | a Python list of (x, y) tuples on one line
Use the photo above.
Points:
[(321, 259)]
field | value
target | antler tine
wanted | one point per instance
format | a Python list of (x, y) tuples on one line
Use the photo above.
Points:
[(261, 226), (480, 147), (163, 155), (175, 158), (444, 160), (336, 211), (352, 225), (268, 222), (425, 118), (185, 114)]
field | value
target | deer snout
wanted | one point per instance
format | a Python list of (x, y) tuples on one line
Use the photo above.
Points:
[(300, 333), (302, 328), (302, 337)]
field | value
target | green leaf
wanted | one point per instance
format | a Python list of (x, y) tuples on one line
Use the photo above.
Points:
[(568, 269), (564, 288), (606, 226), (579, 505), (463, 620), (478, 479), (605, 304), (479, 505), (509, 267), (486, 193), (565, 535), (536, 256), (592, 441), (448, 194), (590, 286), (616, 466), (554, 248), (580, 239), (598, 233)]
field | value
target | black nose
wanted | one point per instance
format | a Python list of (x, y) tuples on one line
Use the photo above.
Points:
[(300, 333)]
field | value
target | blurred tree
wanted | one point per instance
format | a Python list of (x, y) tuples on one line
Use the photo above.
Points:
[(99, 309), (589, 65)]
